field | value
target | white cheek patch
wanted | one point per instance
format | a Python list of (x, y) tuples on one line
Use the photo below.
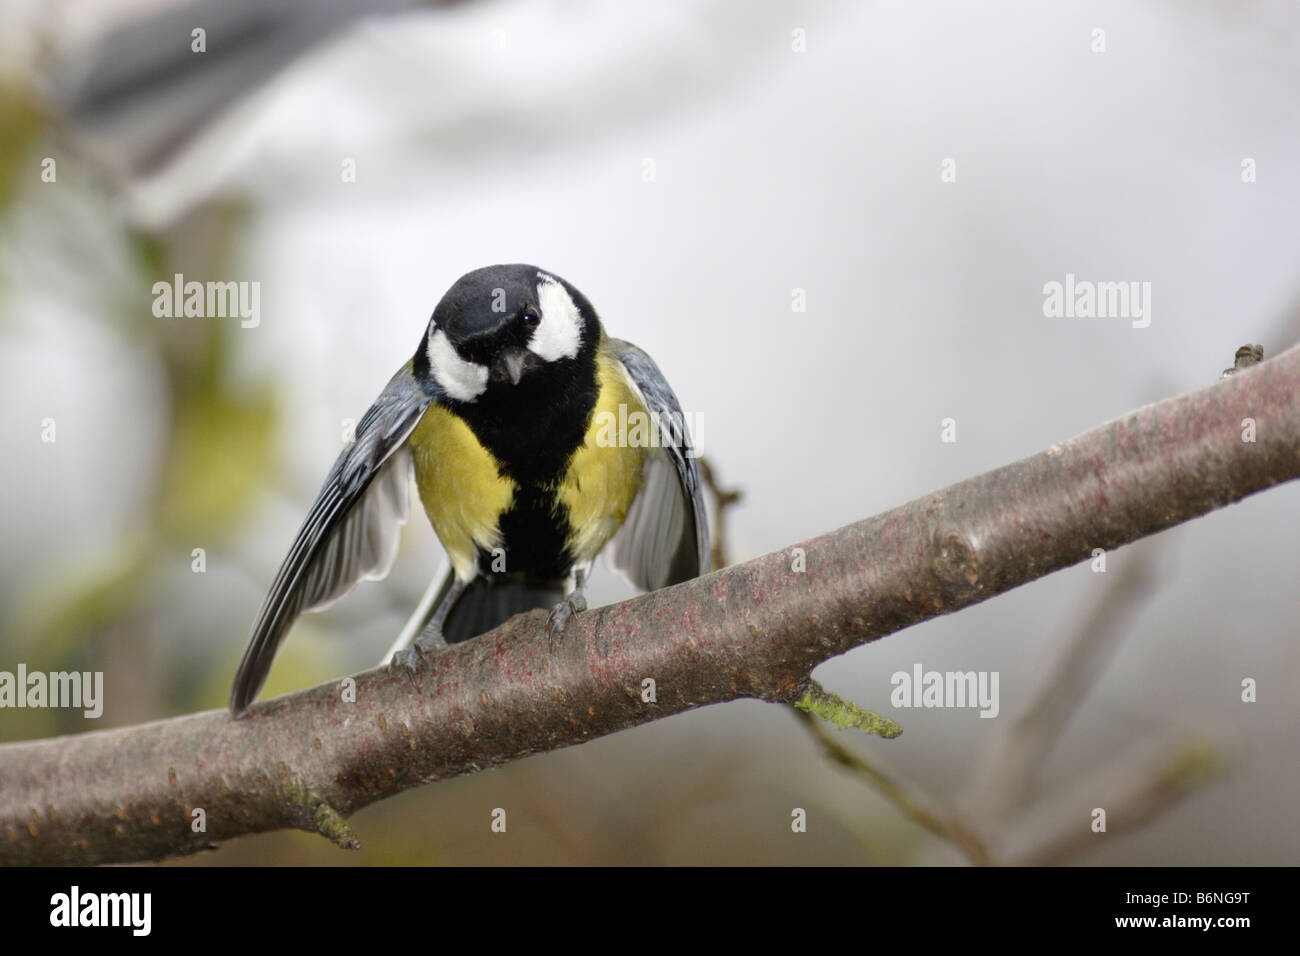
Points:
[(462, 380), (559, 334)]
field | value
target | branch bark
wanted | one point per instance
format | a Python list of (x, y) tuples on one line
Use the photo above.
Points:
[(757, 629)]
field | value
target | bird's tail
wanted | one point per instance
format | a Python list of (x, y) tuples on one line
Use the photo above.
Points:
[(486, 603), (492, 600)]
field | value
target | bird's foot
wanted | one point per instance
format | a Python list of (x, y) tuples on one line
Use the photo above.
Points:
[(409, 659), (575, 603)]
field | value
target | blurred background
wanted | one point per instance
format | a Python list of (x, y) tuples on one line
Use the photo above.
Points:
[(912, 175)]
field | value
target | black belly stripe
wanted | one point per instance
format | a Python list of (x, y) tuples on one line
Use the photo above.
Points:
[(534, 535)]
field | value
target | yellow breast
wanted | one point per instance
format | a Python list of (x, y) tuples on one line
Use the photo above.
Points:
[(461, 487), (604, 476)]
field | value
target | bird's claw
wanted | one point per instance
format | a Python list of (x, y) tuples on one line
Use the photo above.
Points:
[(406, 661), (575, 603), (409, 660)]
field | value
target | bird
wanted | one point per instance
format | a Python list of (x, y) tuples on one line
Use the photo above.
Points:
[(513, 419)]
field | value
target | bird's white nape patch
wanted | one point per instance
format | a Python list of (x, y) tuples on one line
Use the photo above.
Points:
[(461, 379), (559, 334)]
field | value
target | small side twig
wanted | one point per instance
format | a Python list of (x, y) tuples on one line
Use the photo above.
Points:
[(911, 804), (317, 815), (723, 498), (842, 713)]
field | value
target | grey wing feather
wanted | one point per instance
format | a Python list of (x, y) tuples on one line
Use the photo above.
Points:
[(349, 534), (364, 545), (665, 538)]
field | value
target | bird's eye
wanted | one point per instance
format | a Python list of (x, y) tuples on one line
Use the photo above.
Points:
[(531, 319)]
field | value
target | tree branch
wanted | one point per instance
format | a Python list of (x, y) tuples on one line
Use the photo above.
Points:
[(757, 629)]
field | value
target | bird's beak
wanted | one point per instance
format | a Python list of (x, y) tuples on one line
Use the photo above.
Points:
[(511, 364)]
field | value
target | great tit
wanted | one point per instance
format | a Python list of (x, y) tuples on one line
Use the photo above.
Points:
[(512, 415)]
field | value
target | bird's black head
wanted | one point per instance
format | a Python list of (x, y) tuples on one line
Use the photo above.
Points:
[(507, 333)]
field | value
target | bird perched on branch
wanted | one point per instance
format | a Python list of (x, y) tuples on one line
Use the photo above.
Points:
[(513, 417)]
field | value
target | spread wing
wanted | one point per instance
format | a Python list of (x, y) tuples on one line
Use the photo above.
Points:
[(665, 538), (350, 534)]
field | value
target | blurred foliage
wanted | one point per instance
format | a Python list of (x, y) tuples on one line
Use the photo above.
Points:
[(221, 436), (215, 454), (21, 122), (86, 598)]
